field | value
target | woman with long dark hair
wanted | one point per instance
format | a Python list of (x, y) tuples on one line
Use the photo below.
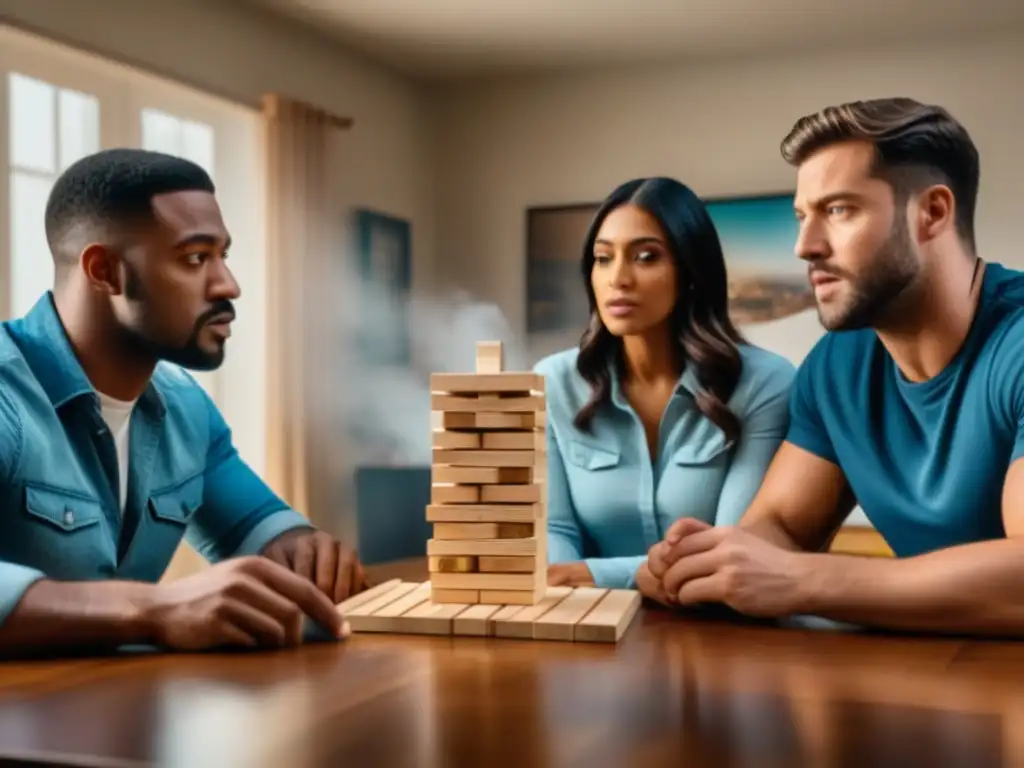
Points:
[(663, 411)]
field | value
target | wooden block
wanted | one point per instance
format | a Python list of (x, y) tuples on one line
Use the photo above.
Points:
[(584, 613), (512, 494), (490, 357), (507, 420), (475, 620), (384, 618), (492, 564), (476, 531), (467, 596), (483, 581), (354, 615), (458, 421), (481, 513), (479, 458), (456, 494), (452, 564), (529, 404), (608, 620), (514, 596), (447, 441), (366, 596), (560, 622), (429, 618), (534, 440), (521, 624), (484, 547), (484, 383), (465, 531), (481, 475)]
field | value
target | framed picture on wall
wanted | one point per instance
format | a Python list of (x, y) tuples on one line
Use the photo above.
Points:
[(769, 296), (384, 264)]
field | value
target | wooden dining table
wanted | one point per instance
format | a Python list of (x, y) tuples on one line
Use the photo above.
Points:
[(677, 690)]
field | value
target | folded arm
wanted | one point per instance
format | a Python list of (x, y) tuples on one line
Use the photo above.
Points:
[(970, 589)]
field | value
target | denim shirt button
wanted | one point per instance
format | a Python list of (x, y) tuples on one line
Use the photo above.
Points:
[(69, 517)]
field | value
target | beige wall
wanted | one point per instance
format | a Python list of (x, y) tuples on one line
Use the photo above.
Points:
[(384, 162), (502, 148)]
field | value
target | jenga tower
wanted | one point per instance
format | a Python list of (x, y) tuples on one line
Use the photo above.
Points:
[(488, 501)]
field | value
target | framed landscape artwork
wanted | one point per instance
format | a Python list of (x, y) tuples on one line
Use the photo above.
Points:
[(770, 298)]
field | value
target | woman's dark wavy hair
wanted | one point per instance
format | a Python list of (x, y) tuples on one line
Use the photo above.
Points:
[(700, 321)]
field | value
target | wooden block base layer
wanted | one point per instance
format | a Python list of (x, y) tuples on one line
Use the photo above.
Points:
[(581, 614)]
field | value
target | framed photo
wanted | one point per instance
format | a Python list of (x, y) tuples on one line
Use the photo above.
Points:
[(384, 263)]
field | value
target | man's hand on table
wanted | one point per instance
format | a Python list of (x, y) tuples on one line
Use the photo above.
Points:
[(321, 558), (697, 563), (246, 601)]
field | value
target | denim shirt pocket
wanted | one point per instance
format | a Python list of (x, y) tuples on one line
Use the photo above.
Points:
[(64, 510), (591, 457), (178, 503)]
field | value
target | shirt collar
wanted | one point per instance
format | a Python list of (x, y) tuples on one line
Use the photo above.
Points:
[(47, 350), (687, 383)]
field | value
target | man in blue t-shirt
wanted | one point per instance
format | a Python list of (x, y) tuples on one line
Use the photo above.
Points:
[(911, 406)]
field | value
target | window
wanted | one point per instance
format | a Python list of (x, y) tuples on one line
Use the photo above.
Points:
[(57, 105), (49, 128)]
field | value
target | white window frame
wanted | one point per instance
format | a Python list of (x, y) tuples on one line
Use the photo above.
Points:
[(123, 92)]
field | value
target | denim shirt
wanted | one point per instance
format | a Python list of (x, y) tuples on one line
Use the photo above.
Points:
[(608, 503), (60, 515)]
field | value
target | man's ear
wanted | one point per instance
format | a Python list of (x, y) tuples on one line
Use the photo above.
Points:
[(102, 267)]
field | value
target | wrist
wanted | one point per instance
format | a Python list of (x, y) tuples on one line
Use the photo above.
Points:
[(142, 611), (819, 582)]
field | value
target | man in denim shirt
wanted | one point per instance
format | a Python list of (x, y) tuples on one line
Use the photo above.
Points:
[(110, 453)]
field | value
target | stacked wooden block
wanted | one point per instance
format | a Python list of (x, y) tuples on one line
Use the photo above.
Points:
[(488, 503)]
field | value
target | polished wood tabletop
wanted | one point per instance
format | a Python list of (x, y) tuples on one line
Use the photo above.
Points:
[(676, 691)]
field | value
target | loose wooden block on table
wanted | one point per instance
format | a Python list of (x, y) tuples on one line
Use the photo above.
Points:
[(582, 614)]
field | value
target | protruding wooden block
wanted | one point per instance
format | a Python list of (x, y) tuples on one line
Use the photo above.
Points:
[(455, 441), (514, 441), (455, 494), (493, 383), (490, 357), (512, 494)]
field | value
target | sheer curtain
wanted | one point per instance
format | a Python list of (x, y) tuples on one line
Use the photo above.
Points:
[(302, 218)]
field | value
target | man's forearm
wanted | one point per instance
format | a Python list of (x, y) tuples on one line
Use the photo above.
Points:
[(971, 589), (54, 615)]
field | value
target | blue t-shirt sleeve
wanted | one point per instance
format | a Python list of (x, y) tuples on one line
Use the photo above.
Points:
[(806, 426)]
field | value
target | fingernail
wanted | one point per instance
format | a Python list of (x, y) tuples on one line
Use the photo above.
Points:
[(345, 629)]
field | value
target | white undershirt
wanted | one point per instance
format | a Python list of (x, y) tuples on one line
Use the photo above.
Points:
[(117, 414)]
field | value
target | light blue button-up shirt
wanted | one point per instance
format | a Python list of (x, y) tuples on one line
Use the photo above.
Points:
[(608, 503), (60, 514)]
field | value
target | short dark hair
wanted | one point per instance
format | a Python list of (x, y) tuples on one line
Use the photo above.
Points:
[(113, 188), (915, 144)]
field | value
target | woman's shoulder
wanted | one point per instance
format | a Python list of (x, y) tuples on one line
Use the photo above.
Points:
[(766, 376), (563, 384)]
